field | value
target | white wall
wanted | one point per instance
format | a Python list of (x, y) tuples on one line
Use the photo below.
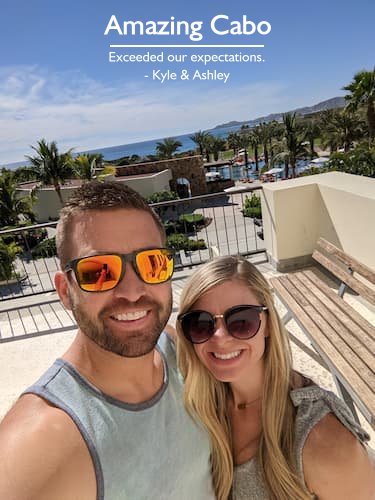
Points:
[(48, 205), (337, 206)]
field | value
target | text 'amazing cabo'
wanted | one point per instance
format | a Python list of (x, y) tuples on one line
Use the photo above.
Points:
[(220, 25)]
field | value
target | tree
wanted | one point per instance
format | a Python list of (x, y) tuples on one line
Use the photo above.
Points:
[(362, 93), (359, 161), (85, 166), (50, 167), (264, 131), (167, 148), (244, 143), (255, 142), (293, 141), (8, 254), (199, 139), (11, 204), (232, 142), (343, 128), (312, 132), (217, 144)]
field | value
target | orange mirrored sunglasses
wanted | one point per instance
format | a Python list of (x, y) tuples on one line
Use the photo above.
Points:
[(102, 272)]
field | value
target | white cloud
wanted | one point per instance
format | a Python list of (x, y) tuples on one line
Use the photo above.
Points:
[(79, 112)]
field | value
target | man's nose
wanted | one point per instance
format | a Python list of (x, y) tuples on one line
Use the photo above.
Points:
[(131, 286)]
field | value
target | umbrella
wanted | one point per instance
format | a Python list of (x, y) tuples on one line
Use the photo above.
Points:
[(322, 159), (274, 171)]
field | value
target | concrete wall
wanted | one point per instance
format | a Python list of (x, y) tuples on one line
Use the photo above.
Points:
[(339, 207), (146, 186), (48, 204), (189, 167)]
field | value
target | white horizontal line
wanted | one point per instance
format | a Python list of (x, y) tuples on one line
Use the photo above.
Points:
[(186, 46)]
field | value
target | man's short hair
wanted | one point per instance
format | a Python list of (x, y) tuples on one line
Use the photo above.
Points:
[(96, 195)]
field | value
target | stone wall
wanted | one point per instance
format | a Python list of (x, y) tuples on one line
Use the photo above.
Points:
[(190, 168), (219, 185)]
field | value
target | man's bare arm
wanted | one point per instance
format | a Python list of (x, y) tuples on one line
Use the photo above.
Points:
[(42, 455)]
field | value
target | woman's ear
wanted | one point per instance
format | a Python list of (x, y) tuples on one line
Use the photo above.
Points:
[(61, 284)]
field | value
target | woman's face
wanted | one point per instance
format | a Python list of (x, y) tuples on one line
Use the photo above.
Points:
[(227, 358)]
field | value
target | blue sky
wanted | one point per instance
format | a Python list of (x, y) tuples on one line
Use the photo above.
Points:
[(56, 81)]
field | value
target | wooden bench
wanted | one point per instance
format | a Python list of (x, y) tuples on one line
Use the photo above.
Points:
[(343, 340)]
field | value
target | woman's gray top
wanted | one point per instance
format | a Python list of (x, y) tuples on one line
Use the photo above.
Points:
[(312, 404)]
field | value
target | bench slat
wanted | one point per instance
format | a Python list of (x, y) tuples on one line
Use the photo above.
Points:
[(299, 307), (331, 320), (357, 266), (353, 283), (352, 320)]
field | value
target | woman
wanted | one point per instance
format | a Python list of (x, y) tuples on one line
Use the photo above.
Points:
[(274, 434)]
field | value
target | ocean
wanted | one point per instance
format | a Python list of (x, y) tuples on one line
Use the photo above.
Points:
[(144, 148)]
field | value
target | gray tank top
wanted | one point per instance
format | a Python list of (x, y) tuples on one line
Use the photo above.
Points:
[(152, 450), (312, 404)]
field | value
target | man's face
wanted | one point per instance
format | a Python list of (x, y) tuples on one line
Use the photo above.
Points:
[(128, 319)]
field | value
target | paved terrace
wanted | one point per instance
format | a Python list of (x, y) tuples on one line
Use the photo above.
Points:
[(26, 357)]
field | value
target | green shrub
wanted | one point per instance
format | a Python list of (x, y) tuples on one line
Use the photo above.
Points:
[(8, 254), (46, 248), (188, 223), (253, 212), (252, 207), (31, 238), (162, 196), (179, 241), (191, 218)]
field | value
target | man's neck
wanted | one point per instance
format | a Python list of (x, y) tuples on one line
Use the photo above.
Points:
[(131, 380)]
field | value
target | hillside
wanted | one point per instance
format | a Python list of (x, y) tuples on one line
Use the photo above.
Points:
[(335, 102)]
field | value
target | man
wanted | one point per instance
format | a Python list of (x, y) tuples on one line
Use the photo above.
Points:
[(106, 421)]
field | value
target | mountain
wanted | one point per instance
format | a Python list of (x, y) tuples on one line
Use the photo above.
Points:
[(335, 102)]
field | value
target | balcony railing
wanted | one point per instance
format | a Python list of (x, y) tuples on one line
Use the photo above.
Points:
[(218, 228)]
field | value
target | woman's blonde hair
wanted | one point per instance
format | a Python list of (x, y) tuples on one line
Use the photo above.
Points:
[(206, 398)]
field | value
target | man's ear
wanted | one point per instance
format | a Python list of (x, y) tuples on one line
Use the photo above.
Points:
[(61, 284)]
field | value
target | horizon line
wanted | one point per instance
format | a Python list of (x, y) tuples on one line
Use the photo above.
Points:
[(186, 46)]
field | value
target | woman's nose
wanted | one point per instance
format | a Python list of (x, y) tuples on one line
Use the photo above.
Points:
[(221, 331)]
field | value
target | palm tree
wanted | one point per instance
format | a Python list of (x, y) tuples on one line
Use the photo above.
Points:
[(343, 128), (362, 93), (199, 139), (217, 144), (49, 166), (167, 148), (255, 142), (85, 165), (8, 254), (244, 142), (294, 147), (12, 205), (232, 142), (264, 133), (312, 132), (327, 117)]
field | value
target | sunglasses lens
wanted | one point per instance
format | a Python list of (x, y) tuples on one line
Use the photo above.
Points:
[(155, 266), (197, 326), (99, 272), (243, 323)]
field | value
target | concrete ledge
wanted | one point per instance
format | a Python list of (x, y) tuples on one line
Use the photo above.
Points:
[(292, 264)]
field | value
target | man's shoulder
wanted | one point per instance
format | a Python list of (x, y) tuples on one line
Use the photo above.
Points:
[(36, 440), (36, 413)]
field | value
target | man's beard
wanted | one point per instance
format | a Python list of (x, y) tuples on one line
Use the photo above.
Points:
[(134, 343)]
